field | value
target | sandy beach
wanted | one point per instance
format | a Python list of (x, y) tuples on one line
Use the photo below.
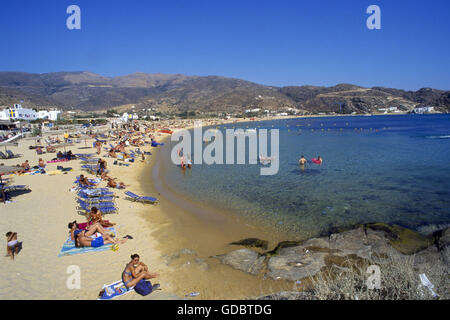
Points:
[(170, 239)]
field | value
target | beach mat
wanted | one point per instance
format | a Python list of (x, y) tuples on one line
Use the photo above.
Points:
[(114, 290), (69, 249)]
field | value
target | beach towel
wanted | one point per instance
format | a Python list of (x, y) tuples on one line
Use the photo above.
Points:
[(69, 249), (114, 290), (57, 161)]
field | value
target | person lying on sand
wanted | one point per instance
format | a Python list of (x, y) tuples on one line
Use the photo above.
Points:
[(89, 227), (12, 244), (83, 239), (135, 271), (115, 185)]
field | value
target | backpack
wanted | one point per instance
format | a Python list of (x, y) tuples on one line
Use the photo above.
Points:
[(143, 287)]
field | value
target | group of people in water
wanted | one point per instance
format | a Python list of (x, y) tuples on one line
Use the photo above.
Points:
[(302, 161)]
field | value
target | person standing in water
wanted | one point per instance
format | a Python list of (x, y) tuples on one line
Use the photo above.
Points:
[(302, 161), (319, 159)]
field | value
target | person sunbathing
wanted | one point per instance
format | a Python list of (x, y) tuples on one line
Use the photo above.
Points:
[(115, 185), (104, 176), (12, 244), (85, 181), (39, 150), (135, 271), (83, 239), (41, 164), (96, 217), (25, 167), (112, 153), (89, 227), (50, 149)]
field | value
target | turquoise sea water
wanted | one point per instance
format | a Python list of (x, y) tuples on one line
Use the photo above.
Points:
[(393, 169)]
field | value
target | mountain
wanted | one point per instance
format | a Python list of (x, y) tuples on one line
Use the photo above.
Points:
[(176, 93)]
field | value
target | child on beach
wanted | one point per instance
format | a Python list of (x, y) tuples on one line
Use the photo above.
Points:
[(12, 244)]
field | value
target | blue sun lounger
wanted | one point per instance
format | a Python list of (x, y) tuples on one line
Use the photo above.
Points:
[(86, 198), (105, 209), (99, 192), (14, 188), (135, 197)]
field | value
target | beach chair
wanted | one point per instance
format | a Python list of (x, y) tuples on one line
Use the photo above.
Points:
[(99, 205), (3, 156), (11, 155), (85, 155), (86, 198), (99, 192), (135, 197), (88, 160), (103, 209), (14, 188), (90, 168)]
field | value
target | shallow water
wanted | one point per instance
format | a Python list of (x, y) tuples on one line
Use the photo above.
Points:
[(393, 169)]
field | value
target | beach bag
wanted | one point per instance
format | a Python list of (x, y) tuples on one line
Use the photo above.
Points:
[(143, 287)]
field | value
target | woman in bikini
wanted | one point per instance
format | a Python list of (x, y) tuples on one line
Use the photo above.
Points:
[(96, 217), (135, 271)]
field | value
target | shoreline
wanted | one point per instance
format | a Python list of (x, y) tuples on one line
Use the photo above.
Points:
[(168, 236), (189, 234)]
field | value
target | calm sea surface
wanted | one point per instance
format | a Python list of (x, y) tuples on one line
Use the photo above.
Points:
[(393, 169)]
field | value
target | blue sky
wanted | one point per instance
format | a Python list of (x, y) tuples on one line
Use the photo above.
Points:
[(276, 43)]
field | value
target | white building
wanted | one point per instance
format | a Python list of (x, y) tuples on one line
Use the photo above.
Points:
[(423, 109), (18, 113), (52, 115)]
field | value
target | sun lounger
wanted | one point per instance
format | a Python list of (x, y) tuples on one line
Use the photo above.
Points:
[(11, 155), (85, 155), (99, 205), (88, 160), (14, 188), (135, 197), (3, 156), (88, 199), (97, 192), (84, 207)]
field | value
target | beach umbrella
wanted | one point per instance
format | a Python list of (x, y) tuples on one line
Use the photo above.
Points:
[(6, 170)]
